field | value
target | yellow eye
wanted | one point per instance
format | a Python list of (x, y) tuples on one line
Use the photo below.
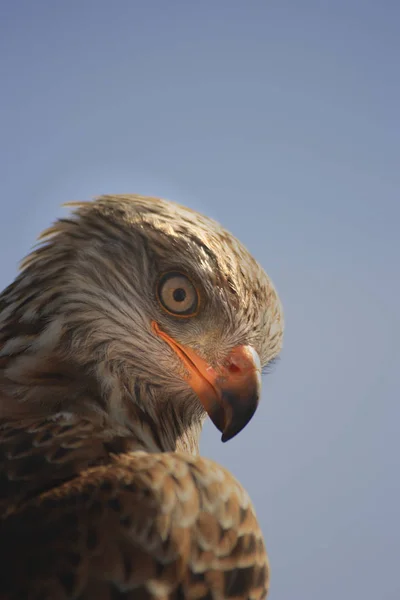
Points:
[(177, 294)]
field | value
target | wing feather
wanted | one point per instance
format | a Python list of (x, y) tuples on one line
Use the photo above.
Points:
[(85, 523)]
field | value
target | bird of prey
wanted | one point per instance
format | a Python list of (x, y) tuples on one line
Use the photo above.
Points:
[(133, 320)]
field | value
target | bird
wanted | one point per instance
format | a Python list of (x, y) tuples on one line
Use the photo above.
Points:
[(130, 322)]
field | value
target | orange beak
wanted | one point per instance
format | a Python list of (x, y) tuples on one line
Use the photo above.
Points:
[(230, 393)]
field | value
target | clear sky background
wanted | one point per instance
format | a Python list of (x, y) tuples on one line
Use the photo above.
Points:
[(280, 119)]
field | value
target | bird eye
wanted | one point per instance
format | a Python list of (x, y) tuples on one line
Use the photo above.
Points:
[(177, 294)]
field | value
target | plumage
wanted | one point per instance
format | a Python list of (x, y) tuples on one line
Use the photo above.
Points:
[(132, 319)]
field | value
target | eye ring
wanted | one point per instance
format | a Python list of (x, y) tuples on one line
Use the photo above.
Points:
[(177, 295)]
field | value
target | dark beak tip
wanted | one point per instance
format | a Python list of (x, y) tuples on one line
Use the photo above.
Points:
[(239, 419), (226, 437)]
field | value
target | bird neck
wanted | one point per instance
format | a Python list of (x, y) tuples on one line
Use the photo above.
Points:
[(163, 432), (38, 386)]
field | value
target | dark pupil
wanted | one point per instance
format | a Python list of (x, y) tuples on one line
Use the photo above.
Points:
[(179, 295)]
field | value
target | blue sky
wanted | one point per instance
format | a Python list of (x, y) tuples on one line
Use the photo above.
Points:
[(281, 120)]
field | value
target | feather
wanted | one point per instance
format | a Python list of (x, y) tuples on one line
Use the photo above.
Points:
[(103, 392)]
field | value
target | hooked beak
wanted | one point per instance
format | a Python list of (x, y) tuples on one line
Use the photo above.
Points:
[(231, 392)]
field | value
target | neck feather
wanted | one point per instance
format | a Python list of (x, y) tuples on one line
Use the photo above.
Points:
[(42, 385)]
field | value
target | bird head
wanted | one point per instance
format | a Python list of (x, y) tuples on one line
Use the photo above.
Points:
[(143, 310)]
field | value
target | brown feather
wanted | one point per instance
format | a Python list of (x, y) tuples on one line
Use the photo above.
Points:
[(141, 521), (102, 492)]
